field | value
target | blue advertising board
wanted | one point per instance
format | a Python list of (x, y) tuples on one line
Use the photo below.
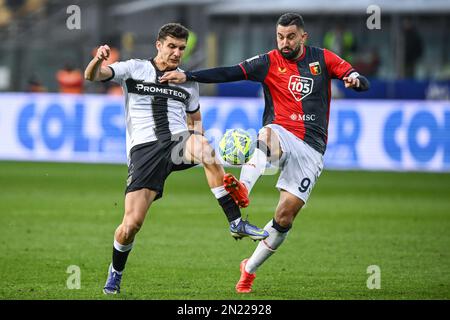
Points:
[(363, 134)]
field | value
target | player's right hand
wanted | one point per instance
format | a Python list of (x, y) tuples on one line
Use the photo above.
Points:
[(103, 52)]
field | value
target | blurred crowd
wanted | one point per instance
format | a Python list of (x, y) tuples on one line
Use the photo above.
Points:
[(67, 74), (338, 39), (12, 9)]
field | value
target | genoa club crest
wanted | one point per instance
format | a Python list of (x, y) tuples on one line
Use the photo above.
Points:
[(314, 67)]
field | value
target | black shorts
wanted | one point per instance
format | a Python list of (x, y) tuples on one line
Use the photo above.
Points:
[(152, 162)]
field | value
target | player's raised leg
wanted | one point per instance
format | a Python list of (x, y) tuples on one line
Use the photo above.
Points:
[(267, 150), (278, 228), (199, 150), (136, 207)]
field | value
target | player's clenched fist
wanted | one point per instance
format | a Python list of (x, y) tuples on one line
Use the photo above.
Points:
[(103, 52), (351, 82)]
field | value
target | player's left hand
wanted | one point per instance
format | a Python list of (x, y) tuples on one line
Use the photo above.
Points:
[(173, 77), (351, 82)]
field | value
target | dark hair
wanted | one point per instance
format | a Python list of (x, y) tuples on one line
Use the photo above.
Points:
[(174, 30), (291, 19)]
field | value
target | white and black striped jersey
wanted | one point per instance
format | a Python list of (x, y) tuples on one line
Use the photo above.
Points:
[(153, 110)]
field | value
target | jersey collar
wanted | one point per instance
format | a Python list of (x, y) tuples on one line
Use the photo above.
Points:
[(152, 60), (303, 54)]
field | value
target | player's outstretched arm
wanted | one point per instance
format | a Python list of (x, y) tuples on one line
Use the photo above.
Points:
[(94, 70), (356, 82), (214, 75)]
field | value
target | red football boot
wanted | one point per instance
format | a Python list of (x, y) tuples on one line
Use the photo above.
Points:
[(244, 284), (236, 189)]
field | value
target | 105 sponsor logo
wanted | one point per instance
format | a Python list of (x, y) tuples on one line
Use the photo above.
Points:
[(300, 87)]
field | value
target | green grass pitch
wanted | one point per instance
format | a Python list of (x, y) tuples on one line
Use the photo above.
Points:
[(56, 215)]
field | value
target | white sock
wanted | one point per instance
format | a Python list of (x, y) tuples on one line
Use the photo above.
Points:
[(122, 247), (265, 248), (219, 192), (235, 222), (253, 169)]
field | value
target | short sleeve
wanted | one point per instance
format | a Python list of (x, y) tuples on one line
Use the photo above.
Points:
[(256, 68), (337, 67), (121, 70), (194, 103)]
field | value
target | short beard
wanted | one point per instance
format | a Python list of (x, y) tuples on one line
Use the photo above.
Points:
[(292, 54)]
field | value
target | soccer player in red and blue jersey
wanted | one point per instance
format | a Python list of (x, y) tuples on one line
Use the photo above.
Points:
[(297, 89)]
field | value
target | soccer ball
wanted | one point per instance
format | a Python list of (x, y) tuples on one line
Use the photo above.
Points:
[(236, 146)]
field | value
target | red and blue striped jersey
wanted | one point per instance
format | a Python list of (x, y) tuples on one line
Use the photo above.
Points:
[(297, 92)]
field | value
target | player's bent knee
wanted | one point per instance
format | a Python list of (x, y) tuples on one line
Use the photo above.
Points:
[(130, 228), (207, 152), (262, 143), (264, 134), (285, 216), (269, 144)]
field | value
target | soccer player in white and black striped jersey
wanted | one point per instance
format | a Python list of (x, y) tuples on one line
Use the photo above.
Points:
[(158, 118)]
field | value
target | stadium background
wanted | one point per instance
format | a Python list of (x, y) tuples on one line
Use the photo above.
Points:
[(382, 200)]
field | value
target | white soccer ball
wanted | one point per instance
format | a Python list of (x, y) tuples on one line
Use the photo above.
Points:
[(236, 146)]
